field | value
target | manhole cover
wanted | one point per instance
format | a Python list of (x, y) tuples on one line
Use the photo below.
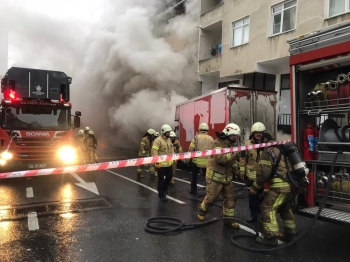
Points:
[(18, 212)]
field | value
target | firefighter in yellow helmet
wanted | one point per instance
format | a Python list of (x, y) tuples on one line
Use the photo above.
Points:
[(220, 171), (90, 148), (248, 166), (200, 142), (144, 151), (163, 146), (177, 149), (80, 145), (279, 196)]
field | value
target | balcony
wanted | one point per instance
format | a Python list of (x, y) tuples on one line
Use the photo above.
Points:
[(212, 15), (209, 65)]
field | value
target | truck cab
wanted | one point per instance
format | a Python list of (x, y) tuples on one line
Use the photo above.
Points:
[(36, 127)]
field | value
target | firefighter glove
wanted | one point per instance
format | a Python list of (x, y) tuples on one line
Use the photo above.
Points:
[(158, 165)]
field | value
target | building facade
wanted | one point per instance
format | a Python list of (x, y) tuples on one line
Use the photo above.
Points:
[(245, 41)]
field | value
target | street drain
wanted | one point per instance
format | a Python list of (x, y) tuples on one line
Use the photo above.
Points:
[(42, 209)]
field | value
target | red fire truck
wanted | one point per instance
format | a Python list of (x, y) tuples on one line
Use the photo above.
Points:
[(35, 126), (320, 101), (239, 105)]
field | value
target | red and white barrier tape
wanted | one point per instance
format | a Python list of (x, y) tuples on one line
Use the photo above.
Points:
[(132, 162)]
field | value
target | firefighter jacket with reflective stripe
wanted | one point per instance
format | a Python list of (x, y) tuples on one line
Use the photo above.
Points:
[(163, 146), (201, 142), (177, 147), (221, 167), (145, 146), (248, 163), (268, 160)]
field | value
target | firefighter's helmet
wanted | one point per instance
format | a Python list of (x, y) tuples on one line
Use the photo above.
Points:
[(81, 131), (258, 127), (156, 134), (172, 134), (87, 128), (91, 132), (151, 131), (203, 127), (232, 129), (166, 128)]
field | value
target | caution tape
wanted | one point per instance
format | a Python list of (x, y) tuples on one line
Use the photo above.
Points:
[(132, 162)]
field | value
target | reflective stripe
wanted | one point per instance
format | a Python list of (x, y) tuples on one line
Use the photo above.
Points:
[(289, 224), (200, 161), (251, 174), (265, 162), (278, 183), (142, 143), (155, 147), (203, 207), (271, 227), (242, 168), (192, 145), (166, 163), (229, 156), (230, 212), (278, 202), (215, 176)]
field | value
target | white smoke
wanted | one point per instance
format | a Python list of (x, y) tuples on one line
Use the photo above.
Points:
[(130, 65)]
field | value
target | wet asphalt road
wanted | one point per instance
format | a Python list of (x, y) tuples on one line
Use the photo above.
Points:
[(77, 225)]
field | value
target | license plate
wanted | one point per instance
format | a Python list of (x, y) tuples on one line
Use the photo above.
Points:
[(36, 165)]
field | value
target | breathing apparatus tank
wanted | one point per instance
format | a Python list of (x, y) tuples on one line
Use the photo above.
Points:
[(300, 171)]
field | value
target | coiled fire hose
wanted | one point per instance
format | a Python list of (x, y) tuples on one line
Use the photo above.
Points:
[(165, 225)]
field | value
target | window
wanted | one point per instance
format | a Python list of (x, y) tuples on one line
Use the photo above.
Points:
[(283, 17), (260, 81), (337, 7), (240, 32), (285, 78)]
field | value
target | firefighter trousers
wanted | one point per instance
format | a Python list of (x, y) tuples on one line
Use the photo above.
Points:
[(174, 166), (276, 201), (254, 200), (195, 170), (140, 168), (213, 190), (164, 178)]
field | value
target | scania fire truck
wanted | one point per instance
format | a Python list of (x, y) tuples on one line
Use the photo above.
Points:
[(320, 101), (36, 130)]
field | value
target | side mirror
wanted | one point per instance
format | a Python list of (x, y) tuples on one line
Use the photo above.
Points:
[(77, 113), (76, 121)]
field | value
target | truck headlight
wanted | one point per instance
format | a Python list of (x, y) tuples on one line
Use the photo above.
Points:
[(6, 155), (67, 154)]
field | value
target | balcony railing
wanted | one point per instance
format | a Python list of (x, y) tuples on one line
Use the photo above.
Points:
[(212, 64), (212, 15)]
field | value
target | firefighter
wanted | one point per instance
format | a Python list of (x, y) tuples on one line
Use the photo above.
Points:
[(90, 144), (94, 146), (219, 175), (86, 132), (200, 142), (177, 149), (80, 141), (278, 197), (144, 151), (248, 165), (163, 146)]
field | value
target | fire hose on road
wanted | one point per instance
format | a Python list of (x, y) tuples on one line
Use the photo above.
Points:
[(161, 225)]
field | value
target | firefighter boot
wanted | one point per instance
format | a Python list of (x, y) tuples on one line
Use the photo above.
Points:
[(270, 241), (201, 217), (172, 182)]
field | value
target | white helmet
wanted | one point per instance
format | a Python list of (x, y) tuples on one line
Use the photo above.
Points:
[(258, 127), (203, 127), (232, 129), (166, 128), (87, 128), (81, 131), (151, 131), (172, 134), (156, 134)]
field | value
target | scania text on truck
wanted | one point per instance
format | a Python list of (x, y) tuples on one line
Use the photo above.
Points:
[(36, 130)]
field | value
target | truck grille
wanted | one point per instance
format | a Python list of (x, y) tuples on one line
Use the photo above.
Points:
[(41, 149)]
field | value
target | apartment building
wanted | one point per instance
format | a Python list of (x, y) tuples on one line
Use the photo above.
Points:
[(245, 41)]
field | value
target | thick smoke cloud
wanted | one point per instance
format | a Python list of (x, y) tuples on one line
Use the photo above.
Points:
[(130, 63)]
